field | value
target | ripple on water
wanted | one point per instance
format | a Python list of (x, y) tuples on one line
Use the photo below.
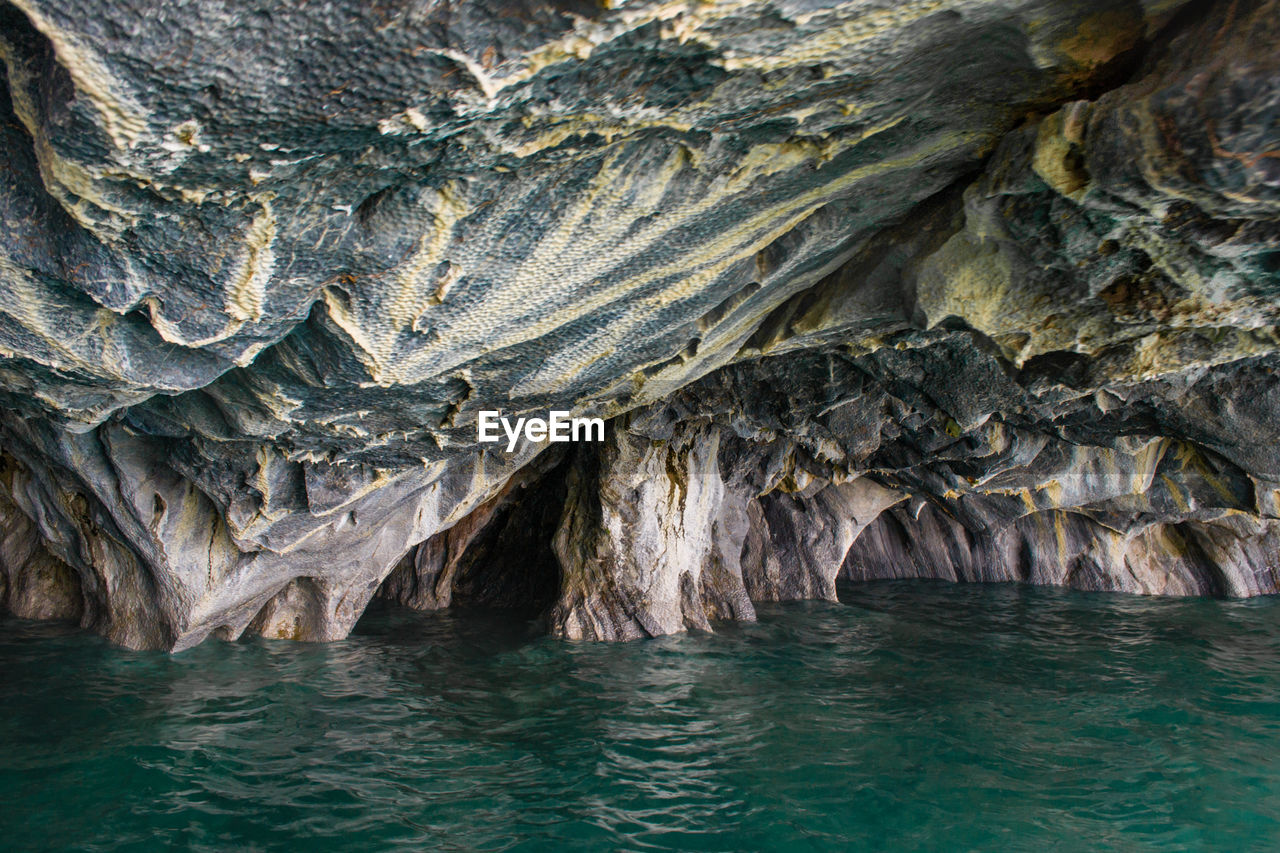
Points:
[(912, 715)]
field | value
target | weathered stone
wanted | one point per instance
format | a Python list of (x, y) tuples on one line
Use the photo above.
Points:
[(982, 291), (649, 545), (499, 555)]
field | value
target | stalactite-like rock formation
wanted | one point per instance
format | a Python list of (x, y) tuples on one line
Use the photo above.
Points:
[(977, 291)]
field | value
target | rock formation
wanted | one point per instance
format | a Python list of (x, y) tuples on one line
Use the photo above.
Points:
[(943, 288)]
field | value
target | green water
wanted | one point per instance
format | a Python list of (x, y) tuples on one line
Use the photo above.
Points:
[(912, 716)]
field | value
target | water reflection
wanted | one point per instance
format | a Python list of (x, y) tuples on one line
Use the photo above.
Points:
[(910, 715)]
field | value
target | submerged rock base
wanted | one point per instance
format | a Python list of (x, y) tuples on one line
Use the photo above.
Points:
[(974, 291), (929, 458)]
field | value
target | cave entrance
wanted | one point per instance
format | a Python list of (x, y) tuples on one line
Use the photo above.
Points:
[(499, 557)]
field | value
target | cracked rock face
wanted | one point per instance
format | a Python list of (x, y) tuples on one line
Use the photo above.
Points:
[(966, 290)]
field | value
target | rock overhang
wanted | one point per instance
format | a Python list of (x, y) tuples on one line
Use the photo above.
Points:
[(266, 266)]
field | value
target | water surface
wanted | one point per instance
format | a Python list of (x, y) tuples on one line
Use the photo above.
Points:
[(911, 716)]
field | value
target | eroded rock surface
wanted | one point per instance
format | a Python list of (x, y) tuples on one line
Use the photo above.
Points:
[(971, 290)]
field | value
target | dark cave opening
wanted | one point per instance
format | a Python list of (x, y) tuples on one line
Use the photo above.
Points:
[(498, 558)]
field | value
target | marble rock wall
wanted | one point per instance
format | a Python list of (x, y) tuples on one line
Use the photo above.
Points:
[(944, 288)]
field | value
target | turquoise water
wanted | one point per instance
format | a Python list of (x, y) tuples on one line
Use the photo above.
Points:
[(911, 716)]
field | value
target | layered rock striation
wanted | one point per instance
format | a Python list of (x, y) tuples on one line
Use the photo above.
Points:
[(967, 290)]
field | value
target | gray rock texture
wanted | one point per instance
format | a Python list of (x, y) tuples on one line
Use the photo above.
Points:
[(946, 288)]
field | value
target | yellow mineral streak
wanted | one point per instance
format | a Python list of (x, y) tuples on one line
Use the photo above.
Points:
[(412, 292), (1060, 535), (683, 19), (547, 282), (1147, 463), (1028, 499), (88, 347), (69, 182), (123, 118), (1192, 460), (1101, 37), (409, 121), (971, 280), (841, 32), (832, 33), (564, 128), (1052, 160), (1176, 493), (247, 290), (25, 300)]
